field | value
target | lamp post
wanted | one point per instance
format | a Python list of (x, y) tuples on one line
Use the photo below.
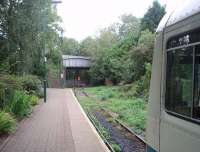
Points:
[(45, 59), (45, 80), (62, 78)]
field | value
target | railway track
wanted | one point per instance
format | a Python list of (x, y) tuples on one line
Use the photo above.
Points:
[(129, 142), (139, 143), (102, 136)]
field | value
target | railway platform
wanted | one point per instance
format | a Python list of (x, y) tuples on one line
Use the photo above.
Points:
[(60, 125)]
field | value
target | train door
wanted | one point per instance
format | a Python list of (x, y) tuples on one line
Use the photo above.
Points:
[(180, 112)]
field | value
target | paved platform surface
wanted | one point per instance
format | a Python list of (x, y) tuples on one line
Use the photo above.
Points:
[(60, 125)]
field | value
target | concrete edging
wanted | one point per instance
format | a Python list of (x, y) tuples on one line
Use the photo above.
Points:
[(90, 124)]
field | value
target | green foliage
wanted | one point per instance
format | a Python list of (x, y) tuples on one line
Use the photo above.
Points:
[(34, 100), (19, 105), (134, 61), (70, 46), (129, 27), (7, 123), (145, 82), (131, 110), (139, 88), (116, 147), (8, 84), (122, 52), (104, 132), (31, 84), (33, 27), (153, 16), (88, 47), (11, 81)]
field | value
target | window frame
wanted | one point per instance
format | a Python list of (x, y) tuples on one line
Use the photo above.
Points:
[(193, 45)]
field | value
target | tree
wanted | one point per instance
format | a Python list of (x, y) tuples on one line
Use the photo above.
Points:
[(88, 47), (102, 59), (138, 56), (129, 27), (152, 17), (27, 29), (70, 46)]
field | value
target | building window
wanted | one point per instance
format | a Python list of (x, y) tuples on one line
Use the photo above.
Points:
[(183, 82)]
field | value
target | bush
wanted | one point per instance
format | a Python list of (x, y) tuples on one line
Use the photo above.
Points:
[(11, 81), (7, 123), (31, 84), (20, 104), (129, 91), (34, 100), (8, 83)]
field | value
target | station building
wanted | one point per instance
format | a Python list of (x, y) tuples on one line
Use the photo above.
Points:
[(75, 71)]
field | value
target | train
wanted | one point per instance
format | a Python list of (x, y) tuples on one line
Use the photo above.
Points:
[(173, 121)]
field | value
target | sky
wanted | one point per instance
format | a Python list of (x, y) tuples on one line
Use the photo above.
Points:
[(83, 18)]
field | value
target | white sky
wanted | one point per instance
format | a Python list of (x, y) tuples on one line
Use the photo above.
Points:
[(82, 18)]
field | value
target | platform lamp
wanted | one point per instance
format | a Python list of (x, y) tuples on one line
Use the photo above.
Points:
[(45, 58), (62, 79)]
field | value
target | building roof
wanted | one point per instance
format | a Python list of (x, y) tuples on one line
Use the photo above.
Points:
[(70, 61), (64, 57), (185, 10)]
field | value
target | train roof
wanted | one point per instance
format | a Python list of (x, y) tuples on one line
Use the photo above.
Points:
[(185, 10)]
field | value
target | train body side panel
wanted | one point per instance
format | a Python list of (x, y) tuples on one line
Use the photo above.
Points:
[(177, 134), (153, 116)]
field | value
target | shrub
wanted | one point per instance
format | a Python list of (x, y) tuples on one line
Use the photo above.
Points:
[(7, 123), (34, 100), (20, 104), (31, 84), (8, 83), (11, 81)]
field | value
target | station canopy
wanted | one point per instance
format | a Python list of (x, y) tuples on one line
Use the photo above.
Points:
[(76, 62)]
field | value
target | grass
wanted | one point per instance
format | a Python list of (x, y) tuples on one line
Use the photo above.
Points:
[(131, 111)]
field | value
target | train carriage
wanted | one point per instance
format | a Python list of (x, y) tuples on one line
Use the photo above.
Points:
[(174, 104)]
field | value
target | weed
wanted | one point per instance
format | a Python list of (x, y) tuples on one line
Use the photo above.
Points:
[(130, 110), (116, 147)]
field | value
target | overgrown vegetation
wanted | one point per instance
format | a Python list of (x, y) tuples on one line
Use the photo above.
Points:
[(17, 95), (105, 133), (131, 111), (29, 30), (7, 123)]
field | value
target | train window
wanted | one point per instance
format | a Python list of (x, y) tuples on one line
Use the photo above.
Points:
[(179, 94), (197, 84)]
